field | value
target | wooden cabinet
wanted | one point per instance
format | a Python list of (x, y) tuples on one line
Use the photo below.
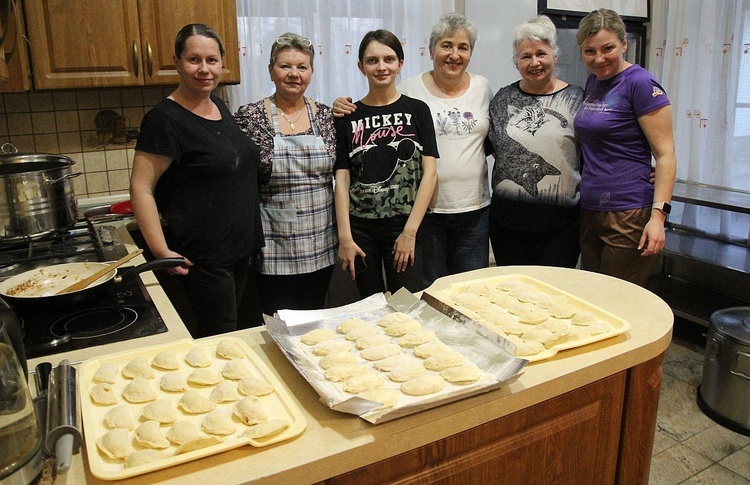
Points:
[(14, 48), (600, 433), (90, 43)]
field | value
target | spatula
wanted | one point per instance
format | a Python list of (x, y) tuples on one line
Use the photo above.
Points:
[(81, 284)]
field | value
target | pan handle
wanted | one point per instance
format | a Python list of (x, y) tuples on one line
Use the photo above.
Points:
[(152, 265), (64, 177)]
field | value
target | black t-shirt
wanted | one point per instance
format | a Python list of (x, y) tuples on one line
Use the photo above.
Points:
[(382, 146), (209, 194)]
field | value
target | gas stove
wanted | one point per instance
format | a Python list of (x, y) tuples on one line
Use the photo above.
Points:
[(125, 312)]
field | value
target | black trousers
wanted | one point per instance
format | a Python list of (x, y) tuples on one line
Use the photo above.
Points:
[(215, 292)]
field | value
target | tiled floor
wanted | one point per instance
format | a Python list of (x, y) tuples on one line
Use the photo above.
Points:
[(689, 447)]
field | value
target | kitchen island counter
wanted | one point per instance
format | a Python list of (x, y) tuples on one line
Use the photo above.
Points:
[(587, 415)]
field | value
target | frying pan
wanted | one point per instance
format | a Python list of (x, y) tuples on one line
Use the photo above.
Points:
[(39, 286)]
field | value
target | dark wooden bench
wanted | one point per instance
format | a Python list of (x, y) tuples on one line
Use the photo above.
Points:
[(700, 272)]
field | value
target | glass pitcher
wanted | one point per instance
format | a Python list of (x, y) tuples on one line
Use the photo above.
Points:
[(21, 449)]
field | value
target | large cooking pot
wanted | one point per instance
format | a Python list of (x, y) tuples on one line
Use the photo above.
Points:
[(36, 194), (724, 393), (38, 288)]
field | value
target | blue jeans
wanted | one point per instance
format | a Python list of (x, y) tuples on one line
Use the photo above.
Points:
[(376, 237), (454, 243)]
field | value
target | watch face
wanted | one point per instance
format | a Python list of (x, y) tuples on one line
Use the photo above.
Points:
[(667, 208)]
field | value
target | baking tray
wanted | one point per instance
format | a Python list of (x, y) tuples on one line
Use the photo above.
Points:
[(488, 351), (441, 299), (278, 405)]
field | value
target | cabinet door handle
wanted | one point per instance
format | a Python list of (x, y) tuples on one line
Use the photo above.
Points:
[(149, 59), (135, 59)]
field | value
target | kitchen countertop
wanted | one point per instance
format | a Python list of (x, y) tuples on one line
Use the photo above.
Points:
[(335, 443)]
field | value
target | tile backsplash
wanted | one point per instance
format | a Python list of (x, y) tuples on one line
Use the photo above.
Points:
[(77, 124)]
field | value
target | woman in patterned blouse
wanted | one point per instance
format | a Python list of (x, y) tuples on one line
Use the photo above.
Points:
[(297, 143)]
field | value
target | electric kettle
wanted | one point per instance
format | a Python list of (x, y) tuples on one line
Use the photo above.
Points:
[(21, 459)]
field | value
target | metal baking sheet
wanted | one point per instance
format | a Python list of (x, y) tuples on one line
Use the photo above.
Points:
[(277, 405), (490, 352)]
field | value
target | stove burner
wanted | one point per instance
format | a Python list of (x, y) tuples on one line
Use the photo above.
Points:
[(94, 322), (63, 249)]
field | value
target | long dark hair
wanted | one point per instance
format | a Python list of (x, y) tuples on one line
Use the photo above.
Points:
[(195, 29), (385, 37)]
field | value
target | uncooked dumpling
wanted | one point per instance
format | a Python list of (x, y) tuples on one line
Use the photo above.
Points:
[(138, 367), (534, 316), (362, 382), (359, 332), (330, 346), (182, 432), (119, 417), (116, 443), (149, 435), (226, 391), (204, 377), (173, 382), (399, 329), (103, 394), (384, 395), (193, 402), (462, 374), (583, 318), (427, 349), (391, 318), (371, 341), (235, 370), (416, 337), (166, 360), (253, 386), (525, 347), (423, 385), (407, 371), (229, 349), (350, 324), (390, 363), (318, 335), (107, 373), (160, 410), (197, 357), (336, 358), (541, 335), (267, 429), (218, 422), (342, 372), (139, 390), (197, 444), (143, 457), (380, 352), (562, 310), (444, 360), (250, 411)]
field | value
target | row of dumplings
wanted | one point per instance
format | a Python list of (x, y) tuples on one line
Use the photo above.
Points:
[(136, 435), (532, 319), (362, 358)]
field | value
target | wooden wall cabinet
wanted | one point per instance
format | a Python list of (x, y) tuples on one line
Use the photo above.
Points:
[(90, 43), (14, 48)]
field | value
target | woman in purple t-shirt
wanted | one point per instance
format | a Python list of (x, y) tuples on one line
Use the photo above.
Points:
[(624, 120)]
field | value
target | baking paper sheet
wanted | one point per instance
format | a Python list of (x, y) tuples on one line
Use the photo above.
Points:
[(490, 352)]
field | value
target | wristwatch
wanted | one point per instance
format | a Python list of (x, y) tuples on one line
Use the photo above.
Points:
[(662, 206)]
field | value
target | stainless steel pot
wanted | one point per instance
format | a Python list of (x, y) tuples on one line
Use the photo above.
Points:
[(724, 393), (36, 195)]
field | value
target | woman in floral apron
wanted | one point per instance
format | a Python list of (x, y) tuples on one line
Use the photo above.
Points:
[(298, 146)]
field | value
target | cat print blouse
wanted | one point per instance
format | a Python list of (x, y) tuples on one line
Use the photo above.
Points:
[(537, 158)]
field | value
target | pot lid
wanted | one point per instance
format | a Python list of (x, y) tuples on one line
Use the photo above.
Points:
[(733, 323)]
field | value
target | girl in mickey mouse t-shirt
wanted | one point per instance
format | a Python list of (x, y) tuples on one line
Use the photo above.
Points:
[(385, 174)]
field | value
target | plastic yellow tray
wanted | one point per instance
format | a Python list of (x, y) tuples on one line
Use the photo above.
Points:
[(277, 405), (619, 325)]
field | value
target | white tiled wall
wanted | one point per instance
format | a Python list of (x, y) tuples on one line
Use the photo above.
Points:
[(64, 123)]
